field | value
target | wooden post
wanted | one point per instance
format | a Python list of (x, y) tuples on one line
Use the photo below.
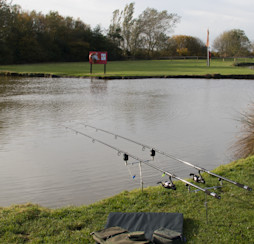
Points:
[(104, 68)]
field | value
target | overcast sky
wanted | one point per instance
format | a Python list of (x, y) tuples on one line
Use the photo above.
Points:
[(196, 15)]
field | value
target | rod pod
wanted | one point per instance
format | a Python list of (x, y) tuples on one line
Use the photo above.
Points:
[(213, 194), (175, 158)]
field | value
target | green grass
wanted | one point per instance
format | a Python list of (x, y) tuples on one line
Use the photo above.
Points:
[(230, 220), (135, 68)]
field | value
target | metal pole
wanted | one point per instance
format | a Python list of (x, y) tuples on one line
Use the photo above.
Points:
[(91, 68), (207, 45), (208, 57), (141, 177), (206, 209)]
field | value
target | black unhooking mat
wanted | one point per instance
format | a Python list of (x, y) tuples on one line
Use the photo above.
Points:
[(147, 222)]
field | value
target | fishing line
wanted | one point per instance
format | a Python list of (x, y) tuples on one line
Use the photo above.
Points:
[(129, 170)]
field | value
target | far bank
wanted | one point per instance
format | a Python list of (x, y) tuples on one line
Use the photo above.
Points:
[(218, 69)]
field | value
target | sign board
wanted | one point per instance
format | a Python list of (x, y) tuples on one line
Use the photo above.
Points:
[(98, 57)]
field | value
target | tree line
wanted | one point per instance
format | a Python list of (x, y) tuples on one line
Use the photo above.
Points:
[(30, 37), (148, 36)]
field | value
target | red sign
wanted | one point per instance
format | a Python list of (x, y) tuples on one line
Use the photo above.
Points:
[(98, 57)]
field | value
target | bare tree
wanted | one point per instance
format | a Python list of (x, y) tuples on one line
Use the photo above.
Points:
[(127, 27), (115, 31), (147, 33), (154, 25)]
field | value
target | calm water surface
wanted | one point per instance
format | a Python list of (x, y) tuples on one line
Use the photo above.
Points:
[(42, 162)]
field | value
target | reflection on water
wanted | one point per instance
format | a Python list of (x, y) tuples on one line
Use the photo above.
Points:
[(42, 162)]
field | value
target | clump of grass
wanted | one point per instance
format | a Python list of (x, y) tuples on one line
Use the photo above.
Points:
[(244, 145)]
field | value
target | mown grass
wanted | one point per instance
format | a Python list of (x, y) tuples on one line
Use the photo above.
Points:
[(230, 220), (135, 68)]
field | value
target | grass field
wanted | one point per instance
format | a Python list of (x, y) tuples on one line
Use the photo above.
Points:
[(230, 220), (136, 68)]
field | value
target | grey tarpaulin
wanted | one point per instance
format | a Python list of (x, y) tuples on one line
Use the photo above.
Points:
[(148, 222)]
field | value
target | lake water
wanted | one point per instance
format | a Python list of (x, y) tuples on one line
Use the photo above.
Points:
[(42, 162)]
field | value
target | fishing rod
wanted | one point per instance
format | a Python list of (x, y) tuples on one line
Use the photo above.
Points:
[(127, 155), (197, 178)]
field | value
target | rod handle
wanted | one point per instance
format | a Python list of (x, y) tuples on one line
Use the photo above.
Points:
[(244, 187), (213, 194)]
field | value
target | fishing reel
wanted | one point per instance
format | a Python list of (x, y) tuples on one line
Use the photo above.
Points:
[(198, 178), (125, 157), (168, 184)]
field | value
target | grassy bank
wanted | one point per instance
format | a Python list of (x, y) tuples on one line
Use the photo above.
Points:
[(230, 220), (135, 68)]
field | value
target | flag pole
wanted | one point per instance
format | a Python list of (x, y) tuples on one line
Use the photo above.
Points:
[(208, 58), (207, 45)]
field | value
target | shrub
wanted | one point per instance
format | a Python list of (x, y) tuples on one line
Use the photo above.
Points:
[(244, 145)]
